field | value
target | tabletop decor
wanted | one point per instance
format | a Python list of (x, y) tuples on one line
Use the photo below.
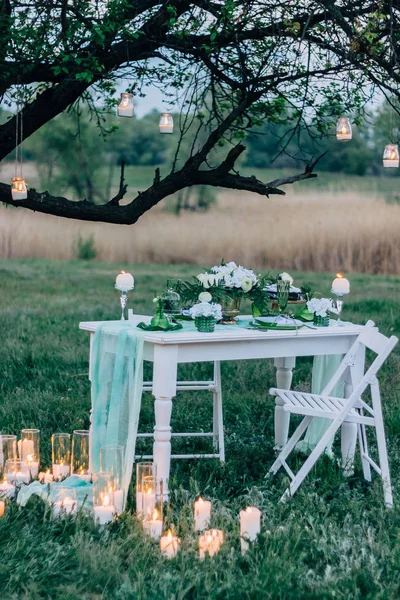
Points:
[(160, 322), (205, 315), (340, 288), (281, 286), (228, 284), (124, 283), (320, 307), (171, 301)]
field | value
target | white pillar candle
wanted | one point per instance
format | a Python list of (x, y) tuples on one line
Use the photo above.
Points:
[(166, 129), (340, 285), (139, 503), (124, 282), (17, 478), (210, 542), (25, 447), (202, 514), (118, 501), (148, 503), (68, 506), (84, 475), (170, 545), (250, 526), (60, 471), (153, 526), (33, 466), (104, 514), (2, 507), (45, 477), (7, 490)]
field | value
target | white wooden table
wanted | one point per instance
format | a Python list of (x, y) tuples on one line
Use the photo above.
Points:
[(166, 350)]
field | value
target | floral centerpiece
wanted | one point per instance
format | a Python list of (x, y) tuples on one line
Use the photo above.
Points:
[(321, 307), (205, 314), (227, 283)]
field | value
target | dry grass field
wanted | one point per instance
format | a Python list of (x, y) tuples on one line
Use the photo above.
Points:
[(313, 228)]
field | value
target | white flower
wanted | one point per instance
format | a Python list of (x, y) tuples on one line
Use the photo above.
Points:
[(205, 297), (155, 300), (247, 284), (320, 306), (286, 277), (205, 309), (231, 265)]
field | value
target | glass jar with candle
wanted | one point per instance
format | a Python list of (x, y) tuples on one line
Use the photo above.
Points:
[(112, 461), (143, 469), (61, 455), (166, 124), (16, 472), (103, 498), (29, 450), (152, 508), (8, 451), (80, 452)]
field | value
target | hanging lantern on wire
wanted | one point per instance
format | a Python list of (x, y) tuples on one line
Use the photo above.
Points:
[(166, 124), (391, 156), (125, 106), (18, 184), (18, 188), (343, 130)]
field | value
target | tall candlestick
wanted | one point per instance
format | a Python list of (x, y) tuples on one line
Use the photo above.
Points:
[(250, 525), (170, 545), (202, 514)]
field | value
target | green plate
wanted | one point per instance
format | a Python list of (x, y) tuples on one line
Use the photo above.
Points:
[(275, 327)]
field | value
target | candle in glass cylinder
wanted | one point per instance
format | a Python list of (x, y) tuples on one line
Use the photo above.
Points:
[(340, 285), (16, 472), (105, 513), (25, 448), (250, 525), (60, 471), (32, 465), (153, 525), (202, 514), (210, 542), (45, 477), (7, 490), (169, 545)]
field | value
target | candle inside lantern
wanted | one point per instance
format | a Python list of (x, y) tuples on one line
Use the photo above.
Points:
[(153, 525), (210, 542), (166, 124), (60, 471), (2, 507), (125, 106), (169, 545), (391, 156), (343, 130), (340, 285), (32, 465), (124, 282), (18, 188), (104, 514), (202, 514), (250, 525)]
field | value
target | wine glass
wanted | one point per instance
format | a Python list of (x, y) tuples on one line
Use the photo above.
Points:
[(283, 288)]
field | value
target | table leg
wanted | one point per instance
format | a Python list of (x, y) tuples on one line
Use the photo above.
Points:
[(284, 372), (164, 390), (352, 376)]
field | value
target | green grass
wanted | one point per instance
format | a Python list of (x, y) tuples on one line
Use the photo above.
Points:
[(333, 540)]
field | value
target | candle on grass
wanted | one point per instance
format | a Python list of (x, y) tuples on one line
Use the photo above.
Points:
[(118, 500), (7, 490), (45, 477), (32, 465), (250, 526), (105, 513), (67, 505), (60, 471), (340, 285), (210, 542), (202, 514), (169, 545), (2, 507), (153, 525)]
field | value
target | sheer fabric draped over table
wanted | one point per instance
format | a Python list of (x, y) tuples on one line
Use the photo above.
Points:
[(119, 348)]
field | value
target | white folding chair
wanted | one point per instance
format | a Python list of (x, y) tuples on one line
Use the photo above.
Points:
[(339, 410)]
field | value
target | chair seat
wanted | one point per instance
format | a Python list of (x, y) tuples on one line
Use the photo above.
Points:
[(315, 405)]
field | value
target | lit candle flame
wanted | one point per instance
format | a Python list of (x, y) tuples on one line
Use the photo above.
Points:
[(155, 514), (200, 500), (106, 500), (29, 457), (248, 509), (169, 535), (339, 275), (122, 273)]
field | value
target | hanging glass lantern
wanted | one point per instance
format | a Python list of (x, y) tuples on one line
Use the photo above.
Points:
[(343, 130), (166, 123), (391, 156), (19, 190), (125, 106)]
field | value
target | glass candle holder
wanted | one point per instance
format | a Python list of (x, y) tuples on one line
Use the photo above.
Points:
[(166, 124), (143, 469), (125, 107), (80, 452), (61, 455), (64, 501), (29, 450), (8, 451), (112, 461), (152, 508), (17, 472), (103, 498)]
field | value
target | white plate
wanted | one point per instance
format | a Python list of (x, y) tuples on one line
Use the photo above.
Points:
[(280, 321)]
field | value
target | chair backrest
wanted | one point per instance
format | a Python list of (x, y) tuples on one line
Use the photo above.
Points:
[(375, 341)]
